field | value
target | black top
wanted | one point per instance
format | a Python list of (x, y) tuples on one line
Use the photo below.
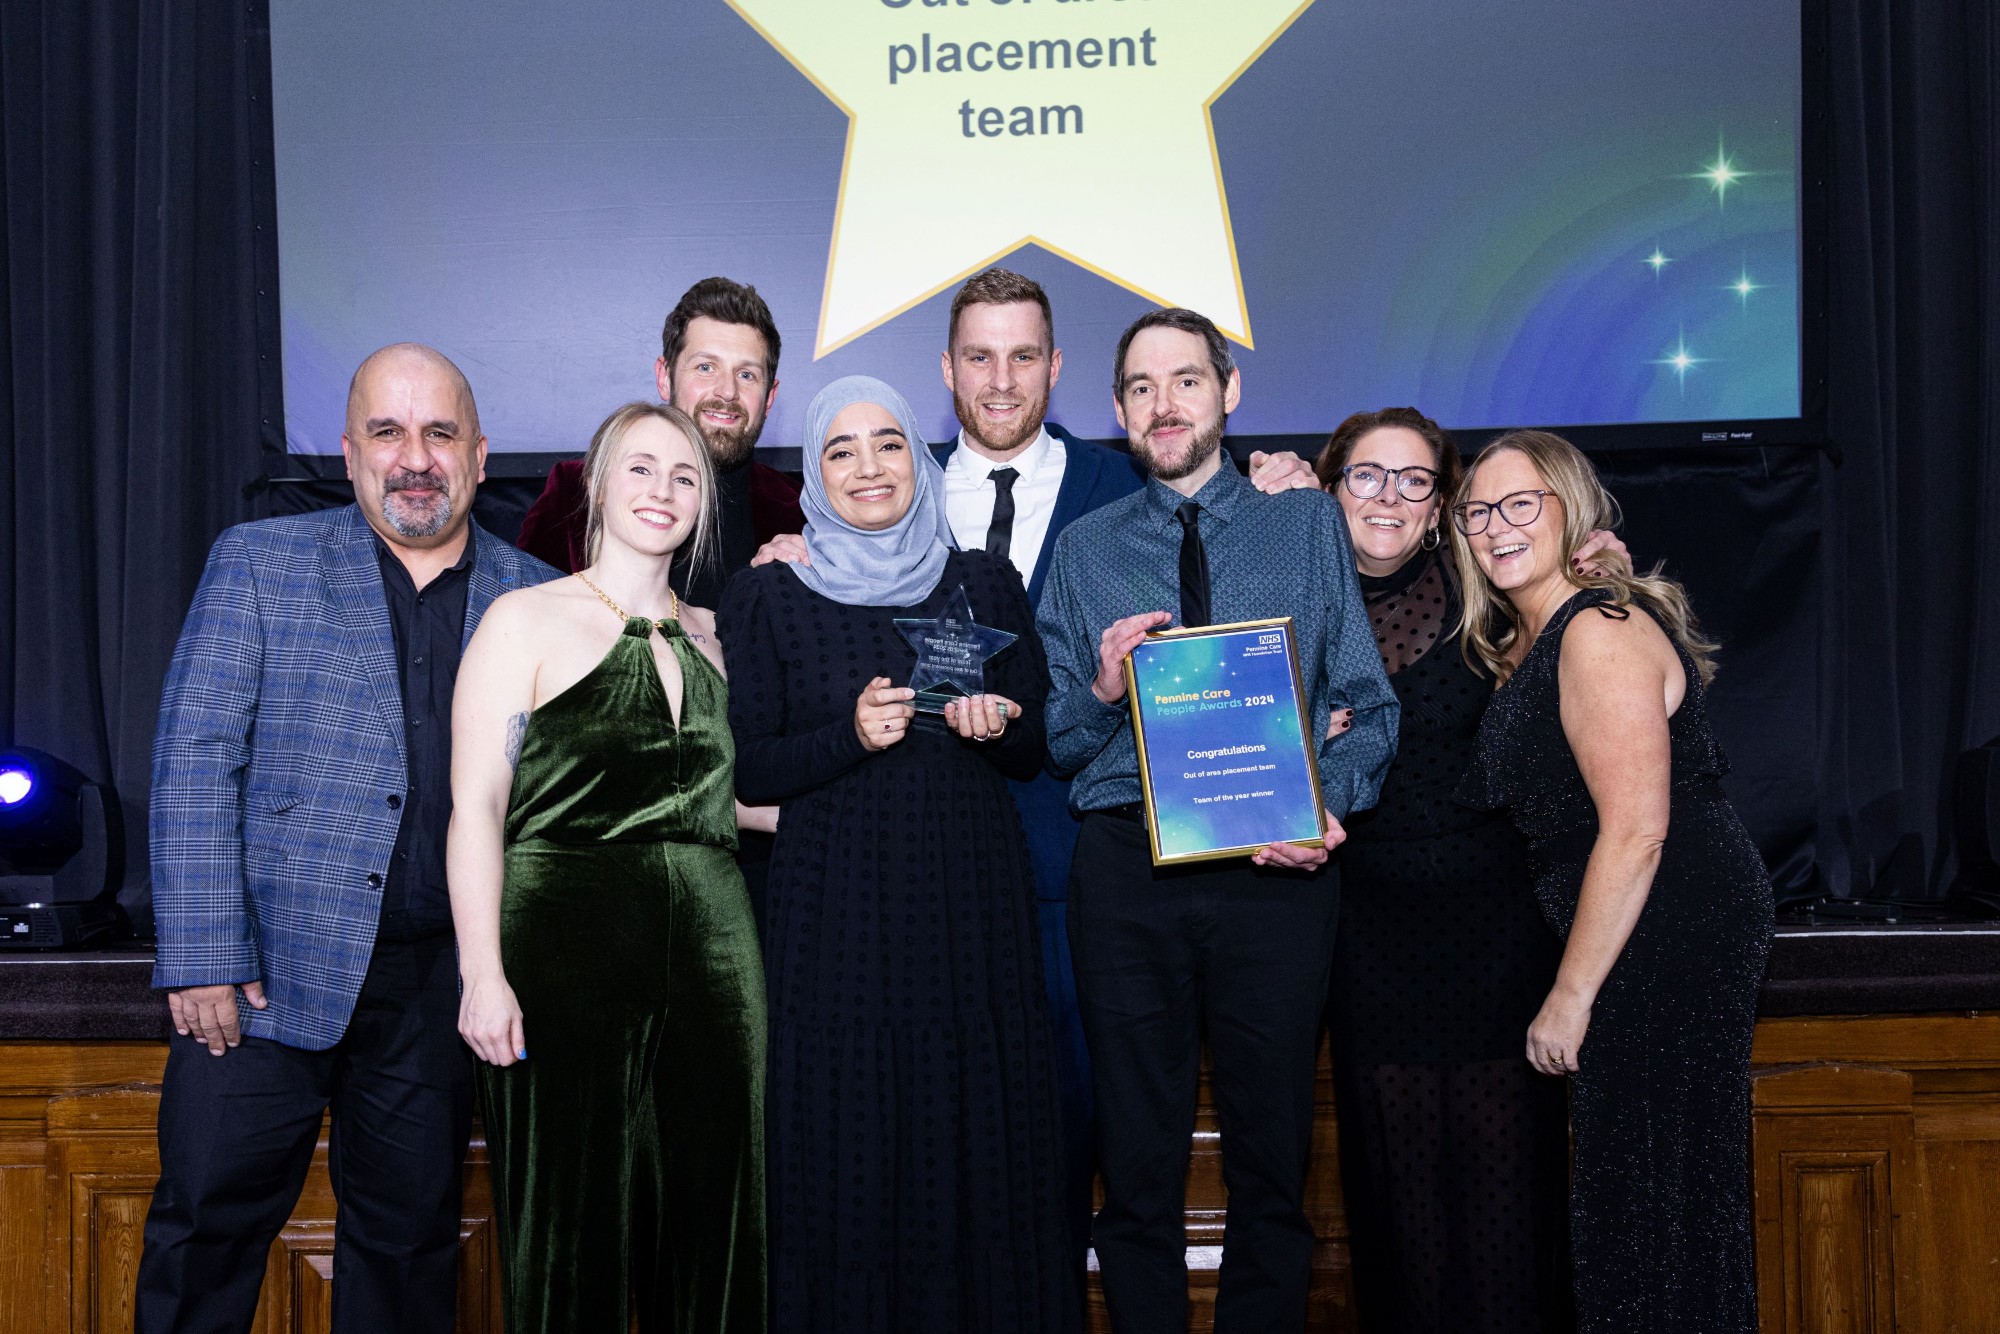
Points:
[(1414, 614), (735, 541), (429, 628), (1441, 955), (1523, 763)]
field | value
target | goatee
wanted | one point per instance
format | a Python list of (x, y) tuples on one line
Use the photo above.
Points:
[(1200, 449), (418, 519)]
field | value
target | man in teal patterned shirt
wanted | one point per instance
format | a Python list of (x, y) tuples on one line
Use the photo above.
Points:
[(1236, 950)]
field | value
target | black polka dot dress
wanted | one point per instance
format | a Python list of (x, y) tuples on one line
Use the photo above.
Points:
[(1453, 1152), (913, 1131)]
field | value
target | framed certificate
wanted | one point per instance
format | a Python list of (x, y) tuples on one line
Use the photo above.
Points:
[(1223, 734)]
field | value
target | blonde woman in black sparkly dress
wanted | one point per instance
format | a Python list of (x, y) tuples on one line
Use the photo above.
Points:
[(1598, 745)]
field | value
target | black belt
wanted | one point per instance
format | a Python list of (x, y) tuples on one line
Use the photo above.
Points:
[(1133, 811)]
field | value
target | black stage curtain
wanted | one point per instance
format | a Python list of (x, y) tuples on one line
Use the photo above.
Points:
[(135, 163), (1910, 640), (1741, 529), (1859, 603)]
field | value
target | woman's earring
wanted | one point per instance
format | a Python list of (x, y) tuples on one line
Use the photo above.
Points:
[(1431, 538)]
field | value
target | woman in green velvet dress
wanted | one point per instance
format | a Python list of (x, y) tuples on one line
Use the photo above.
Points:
[(611, 975)]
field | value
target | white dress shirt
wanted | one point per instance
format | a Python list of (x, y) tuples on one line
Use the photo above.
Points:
[(969, 493)]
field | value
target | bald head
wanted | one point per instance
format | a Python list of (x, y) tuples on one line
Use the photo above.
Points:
[(402, 361), (413, 447)]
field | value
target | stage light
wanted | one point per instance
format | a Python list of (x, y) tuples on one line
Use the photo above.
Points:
[(62, 853)]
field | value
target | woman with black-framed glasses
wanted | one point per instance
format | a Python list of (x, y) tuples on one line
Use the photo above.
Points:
[(1599, 747), (1453, 1149)]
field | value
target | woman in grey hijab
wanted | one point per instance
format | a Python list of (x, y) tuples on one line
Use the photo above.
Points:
[(913, 1136), (898, 562)]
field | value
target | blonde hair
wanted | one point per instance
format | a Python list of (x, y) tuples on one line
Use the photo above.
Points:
[(1490, 625), (597, 467)]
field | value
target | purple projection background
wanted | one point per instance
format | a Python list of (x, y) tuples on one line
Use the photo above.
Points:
[(1548, 212)]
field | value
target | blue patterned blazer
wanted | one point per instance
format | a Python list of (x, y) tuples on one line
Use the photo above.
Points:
[(279, 766)]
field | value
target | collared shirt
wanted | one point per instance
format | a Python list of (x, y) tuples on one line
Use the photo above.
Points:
[(429, 628), (969, 493), (1268, 556)]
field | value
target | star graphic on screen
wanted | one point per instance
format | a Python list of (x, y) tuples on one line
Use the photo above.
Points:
[(1681, 360), (952, 650), (1721, 174), (1658, 261), (1743, 287), (975, 130)]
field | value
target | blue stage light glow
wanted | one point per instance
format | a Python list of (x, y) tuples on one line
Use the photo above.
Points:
[(15, 785)]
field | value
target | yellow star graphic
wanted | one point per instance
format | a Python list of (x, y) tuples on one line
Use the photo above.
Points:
[(975, 127)]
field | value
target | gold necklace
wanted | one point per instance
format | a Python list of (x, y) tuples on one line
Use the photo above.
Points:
[(619, 611)]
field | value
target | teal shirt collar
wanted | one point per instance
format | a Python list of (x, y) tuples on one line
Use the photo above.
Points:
[(1218, 496)]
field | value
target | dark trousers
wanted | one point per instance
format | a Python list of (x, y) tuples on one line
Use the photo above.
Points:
[(1164, 959), (237, 1133), (1072, 1085)]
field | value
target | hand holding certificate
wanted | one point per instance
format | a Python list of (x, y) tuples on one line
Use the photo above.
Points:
[(1226, 762)]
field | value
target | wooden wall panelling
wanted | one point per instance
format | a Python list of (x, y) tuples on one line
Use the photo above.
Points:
[(1835, 1174), (1876, 1158), (23, 1231), (1901, 1042), (103, 1159), (1958, 1248), (34, 1252), (78, 1161)]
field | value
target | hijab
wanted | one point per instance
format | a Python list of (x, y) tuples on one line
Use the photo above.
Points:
[(896, 566)]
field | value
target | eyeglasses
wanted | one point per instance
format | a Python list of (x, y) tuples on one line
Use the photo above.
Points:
[(1518, 510), (1365, 481)]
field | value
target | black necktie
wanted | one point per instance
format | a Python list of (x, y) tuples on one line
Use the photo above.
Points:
[(1000, 533), (1194, 566)]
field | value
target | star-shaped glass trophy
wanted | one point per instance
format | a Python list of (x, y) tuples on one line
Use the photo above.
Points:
[(952, 650)]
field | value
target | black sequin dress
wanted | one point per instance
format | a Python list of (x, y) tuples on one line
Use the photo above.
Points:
[(1453, 1150), (1660, 1105), (913, 1131)]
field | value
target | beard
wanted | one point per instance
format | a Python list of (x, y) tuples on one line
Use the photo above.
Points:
[(1027, 424), (1200, 448), (728, 446), (415, 518)]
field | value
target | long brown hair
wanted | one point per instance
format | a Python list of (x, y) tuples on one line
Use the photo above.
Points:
[(1490, 626), (597, 467)]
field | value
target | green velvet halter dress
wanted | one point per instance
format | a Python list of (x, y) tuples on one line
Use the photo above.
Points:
[(628, 1149)]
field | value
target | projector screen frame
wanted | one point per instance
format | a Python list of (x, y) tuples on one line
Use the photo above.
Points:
[(1807, 430)]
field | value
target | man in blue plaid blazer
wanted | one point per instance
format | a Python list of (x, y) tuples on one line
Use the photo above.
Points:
[(301, 796)]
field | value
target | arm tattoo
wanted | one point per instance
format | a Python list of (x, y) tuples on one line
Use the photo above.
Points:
[(517, 728)]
